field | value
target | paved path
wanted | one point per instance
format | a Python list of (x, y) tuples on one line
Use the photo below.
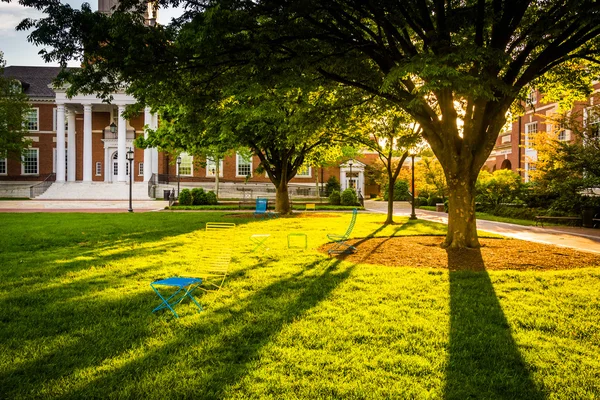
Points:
[(97, 206), (577, 238)]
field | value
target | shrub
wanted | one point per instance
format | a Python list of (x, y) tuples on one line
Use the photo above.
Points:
[(432, 201), (332, 185), (185, 197), (348, 198), (335, 198), (211, 198), (401, 192), (503, 186), (198, 197)]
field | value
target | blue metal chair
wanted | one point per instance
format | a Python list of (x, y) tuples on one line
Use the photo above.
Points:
[(261, 208), (184, 288), (340, 246)]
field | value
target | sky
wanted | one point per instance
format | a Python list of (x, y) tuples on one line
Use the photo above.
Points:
[(18, 51)]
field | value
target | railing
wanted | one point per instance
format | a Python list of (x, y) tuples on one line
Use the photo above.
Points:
[(152, 187), (40, 188)]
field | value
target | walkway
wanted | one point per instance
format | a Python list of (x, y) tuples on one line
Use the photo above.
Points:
[(88, 206), (577, 238)]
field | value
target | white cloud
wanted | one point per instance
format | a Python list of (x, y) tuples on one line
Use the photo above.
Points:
[(11, 14)]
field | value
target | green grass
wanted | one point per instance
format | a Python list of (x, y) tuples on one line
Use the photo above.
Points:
[(75, 314), (491, 217)]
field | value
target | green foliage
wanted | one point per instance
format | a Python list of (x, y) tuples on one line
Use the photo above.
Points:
[(401, 192), (429, 178), (502, 186), (348, 198), (335, 198), (185, 197), (433, 200), (211, 198), (332, 185), (199, 197), (13, 111)]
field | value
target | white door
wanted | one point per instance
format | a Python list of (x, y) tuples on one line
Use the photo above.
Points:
[(114, 163)]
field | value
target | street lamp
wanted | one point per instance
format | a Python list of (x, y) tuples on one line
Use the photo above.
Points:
[(351, 182), (412, 214), (178, 175), (130, 159)]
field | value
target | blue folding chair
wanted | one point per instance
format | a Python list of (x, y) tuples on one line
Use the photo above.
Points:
[(184, 288)]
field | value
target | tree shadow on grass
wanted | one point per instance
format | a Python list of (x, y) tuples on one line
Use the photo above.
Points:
[(484, 360), (198, 356)]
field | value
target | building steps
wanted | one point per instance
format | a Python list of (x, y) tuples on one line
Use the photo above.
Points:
[(95, 191)]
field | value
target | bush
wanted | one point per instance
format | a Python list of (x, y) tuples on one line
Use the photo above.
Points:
[(185, 198), (401, 192), (332, 185), (432, 201), (211, 198), (503, 186), (348, 198), (335, 198), (199, 197)]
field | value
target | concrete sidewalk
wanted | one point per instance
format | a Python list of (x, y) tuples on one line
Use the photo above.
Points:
[(87, 206), (583, 239)]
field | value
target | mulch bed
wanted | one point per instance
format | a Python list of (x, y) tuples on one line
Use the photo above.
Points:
[(495, 254)]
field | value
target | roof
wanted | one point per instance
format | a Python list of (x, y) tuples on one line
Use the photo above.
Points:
[(35, 80)]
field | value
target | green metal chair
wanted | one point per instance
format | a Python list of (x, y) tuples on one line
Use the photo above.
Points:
[(340, 246), (216, 253)]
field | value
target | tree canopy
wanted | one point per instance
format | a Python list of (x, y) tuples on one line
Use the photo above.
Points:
[(13, 111), (455, 67)]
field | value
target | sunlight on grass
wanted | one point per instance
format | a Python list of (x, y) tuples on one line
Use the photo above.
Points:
[(75, 308)]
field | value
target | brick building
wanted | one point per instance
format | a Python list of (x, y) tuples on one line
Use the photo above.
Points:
[(93, 140)]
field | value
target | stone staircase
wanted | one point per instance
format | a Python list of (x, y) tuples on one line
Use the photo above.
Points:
[(95, 191)]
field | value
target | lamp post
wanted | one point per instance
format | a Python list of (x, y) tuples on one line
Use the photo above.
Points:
[(178, 175), (412, 214), (351, 182), (130, 159)]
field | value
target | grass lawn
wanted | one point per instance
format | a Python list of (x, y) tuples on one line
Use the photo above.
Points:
[(75, 314), (490, 217)]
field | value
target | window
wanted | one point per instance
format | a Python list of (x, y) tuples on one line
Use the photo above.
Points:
[(243, 165), (303, 171), (3, 166), (530, 131), (98, 168), (532, 98), (30, 162), (592, 122), (562, 136), (33, 117), (185, 169), (211, 167), (141, 169)]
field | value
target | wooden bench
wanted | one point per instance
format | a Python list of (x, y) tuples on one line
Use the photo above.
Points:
[(539, 219)]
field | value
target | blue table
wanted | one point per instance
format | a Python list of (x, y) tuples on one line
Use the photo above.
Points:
[(184, 288)]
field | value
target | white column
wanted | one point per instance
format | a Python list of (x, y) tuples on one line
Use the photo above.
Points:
[(60, 143), (121, 143), (87, 142), (154, 151), (71, 161), (148, 121)]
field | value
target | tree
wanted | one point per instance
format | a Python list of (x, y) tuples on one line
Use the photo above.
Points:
[(430, 177), (455, 67), (391, 133), (13, 114)]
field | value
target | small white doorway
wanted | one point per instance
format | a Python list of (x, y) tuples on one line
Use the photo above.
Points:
[(352, 175), (114, 164)]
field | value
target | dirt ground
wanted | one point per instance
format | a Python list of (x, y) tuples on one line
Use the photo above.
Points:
[(495, 254)]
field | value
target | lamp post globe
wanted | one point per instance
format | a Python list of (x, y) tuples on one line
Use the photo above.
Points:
[(178, 174), (113, 127), (130, 159)]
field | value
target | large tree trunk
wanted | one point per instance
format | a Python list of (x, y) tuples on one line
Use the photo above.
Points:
[(462, 225), (390, 210), (282, 198)]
